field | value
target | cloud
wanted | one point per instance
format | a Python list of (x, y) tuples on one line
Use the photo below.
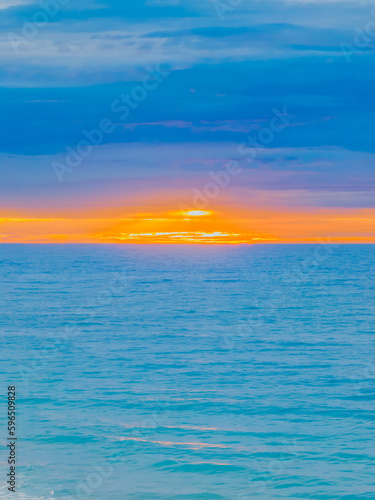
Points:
[(226, 78), (118, 175), (6, 4)]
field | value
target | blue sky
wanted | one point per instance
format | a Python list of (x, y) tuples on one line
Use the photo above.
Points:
[(228, 69)]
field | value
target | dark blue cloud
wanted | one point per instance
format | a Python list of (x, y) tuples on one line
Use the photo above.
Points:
[(227, 75)]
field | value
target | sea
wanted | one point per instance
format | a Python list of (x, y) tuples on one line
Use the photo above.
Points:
[(189, 372)]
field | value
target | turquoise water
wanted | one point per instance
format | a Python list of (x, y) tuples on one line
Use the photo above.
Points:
[(190, 372)]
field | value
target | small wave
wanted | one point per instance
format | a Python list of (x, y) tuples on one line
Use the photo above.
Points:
[(201, 467), (195, 446)]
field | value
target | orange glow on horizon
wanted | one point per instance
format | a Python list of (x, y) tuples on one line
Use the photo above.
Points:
[(201, 227)]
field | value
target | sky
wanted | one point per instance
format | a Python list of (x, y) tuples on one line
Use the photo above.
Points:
[(184, 121)]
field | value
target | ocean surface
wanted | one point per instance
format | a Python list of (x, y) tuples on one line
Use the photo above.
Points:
[(189, 372)]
